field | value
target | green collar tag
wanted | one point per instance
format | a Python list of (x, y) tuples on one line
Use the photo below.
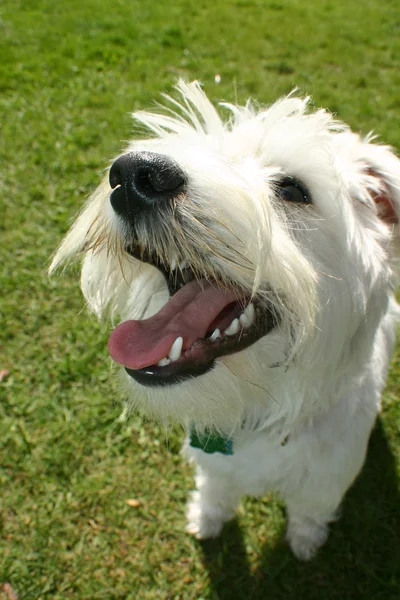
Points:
[(211, 442)]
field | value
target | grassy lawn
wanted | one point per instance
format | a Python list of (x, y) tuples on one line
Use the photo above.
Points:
[(92, 508)]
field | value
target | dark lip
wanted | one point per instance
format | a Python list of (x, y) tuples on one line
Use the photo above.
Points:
[(161, 376), (187, 368)]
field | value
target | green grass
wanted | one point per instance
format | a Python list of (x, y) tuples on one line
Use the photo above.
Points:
[(70, 72)]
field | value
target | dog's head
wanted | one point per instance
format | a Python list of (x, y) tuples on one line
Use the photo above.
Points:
[(238, 251)]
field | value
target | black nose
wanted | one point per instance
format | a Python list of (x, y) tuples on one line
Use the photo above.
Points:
[(143, 181)]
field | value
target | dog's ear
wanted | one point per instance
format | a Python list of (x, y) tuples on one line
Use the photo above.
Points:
[(383, 171), (386, 200)]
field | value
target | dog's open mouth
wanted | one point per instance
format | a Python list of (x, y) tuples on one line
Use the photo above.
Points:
[(201, 321)]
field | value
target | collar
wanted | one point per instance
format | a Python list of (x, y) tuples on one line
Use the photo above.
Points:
[(211, 442)]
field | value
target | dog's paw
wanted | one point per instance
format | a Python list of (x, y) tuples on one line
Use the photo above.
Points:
[(204, 521), (305, 538)]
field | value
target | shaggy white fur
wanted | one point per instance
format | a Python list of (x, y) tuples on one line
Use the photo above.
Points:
[(295, 214)]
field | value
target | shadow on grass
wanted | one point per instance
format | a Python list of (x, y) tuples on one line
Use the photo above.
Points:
[(361, 560)]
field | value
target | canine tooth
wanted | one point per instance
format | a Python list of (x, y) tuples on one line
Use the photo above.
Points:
[(233, 328), (174, 262), (176, 348), (247, 317), (215, 335), (163, 362), (250, 310), (183, 265)]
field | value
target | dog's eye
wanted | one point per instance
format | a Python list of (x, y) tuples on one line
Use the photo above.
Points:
[(291, 191)]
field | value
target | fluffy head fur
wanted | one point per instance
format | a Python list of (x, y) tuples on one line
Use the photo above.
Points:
[(323, 270)]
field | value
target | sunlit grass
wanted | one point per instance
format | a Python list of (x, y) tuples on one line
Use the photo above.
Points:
[(70, 72)]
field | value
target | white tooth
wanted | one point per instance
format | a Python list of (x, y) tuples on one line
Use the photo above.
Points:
[(215, 335), (174, 263), (247, 318), (176, 348), (183, 265), (233, 328), (163, 362), (251, 311)]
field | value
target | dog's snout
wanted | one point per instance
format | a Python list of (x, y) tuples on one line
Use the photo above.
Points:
[(142, 181)]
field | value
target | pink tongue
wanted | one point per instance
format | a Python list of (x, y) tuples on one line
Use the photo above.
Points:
[(188, 314)]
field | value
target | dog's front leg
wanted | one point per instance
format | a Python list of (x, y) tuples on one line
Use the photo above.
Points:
[(215, 500), (324, 470)]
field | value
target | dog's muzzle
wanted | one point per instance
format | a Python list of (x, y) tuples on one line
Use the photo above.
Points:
[(203, 320), (144, 181)]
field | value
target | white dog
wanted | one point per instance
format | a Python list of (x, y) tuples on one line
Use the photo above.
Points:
[(251, 263)]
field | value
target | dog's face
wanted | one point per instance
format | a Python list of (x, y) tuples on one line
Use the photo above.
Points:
[(235, 253)]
